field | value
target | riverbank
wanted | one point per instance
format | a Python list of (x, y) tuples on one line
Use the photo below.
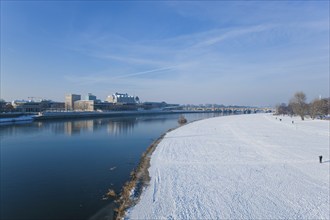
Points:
[(244, 166), (9, 119), (140, 178), (96, 114)]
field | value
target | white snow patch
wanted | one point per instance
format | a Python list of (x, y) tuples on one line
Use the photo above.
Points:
[(240, 167)]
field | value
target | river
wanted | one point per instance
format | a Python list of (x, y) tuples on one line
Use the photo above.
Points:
[(62, 169)]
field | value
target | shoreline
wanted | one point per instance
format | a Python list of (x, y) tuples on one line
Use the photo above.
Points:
[(49, 115), (53, 116), (139, 179), (113, 114)]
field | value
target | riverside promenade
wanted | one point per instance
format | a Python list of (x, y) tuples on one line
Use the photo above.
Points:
[(239, 167)]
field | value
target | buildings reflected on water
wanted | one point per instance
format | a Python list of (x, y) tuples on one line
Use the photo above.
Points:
[(111, 126), (125, 126), (76, 127)]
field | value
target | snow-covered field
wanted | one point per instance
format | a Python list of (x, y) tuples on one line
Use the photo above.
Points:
[(240, 167)]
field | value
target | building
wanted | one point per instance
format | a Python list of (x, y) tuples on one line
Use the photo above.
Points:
[(84, 105), (120, 98), (90, 96), (36, 106), (152, 105), (56, 106), (160, 105), (108, 106), (69, 101)]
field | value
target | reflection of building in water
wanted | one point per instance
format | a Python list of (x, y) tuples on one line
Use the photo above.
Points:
[(56, 127), (123, 126), (111, 126), (68, 128), (75, 127)]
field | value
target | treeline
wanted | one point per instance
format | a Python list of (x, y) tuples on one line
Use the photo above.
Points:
[(318, 108)]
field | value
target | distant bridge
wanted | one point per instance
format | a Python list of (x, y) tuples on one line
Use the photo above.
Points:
[(243, 110)]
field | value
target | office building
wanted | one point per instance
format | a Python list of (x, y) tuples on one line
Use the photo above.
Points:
[(84, 105), (90, 96), (69, 101)]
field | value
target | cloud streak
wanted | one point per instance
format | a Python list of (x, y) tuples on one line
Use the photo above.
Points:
[(233, 34), (94, 79)]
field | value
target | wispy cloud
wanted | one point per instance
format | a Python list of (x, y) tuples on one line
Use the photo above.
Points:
[(132, 60), (143, 72), (238, 32), (95, 78)]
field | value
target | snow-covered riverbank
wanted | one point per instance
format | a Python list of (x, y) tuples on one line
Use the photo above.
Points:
[(240, 167)]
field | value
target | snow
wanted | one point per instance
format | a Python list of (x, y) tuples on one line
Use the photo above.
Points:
[(239, 167)]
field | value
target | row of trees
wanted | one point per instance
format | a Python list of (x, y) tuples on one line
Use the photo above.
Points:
[(298, 106), (5, 106)]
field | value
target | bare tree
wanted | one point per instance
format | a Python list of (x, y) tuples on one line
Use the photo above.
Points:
[(182, 120), (319, 107), (290, 110), (2, 105), (299, 106), (314, 108), (325, 109), (281, 109)]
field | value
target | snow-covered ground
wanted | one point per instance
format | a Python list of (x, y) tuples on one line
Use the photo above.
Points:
[(240, 167)]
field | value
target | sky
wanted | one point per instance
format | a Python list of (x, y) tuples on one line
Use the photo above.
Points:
[(187, 52)]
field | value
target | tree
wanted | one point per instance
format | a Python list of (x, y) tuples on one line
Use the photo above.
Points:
[(182, 120), (319, 107), (282, 109), (2, 105), (9, 107), (299, 106), (290, 110), (314, 108), (5, 106), (325, 106)]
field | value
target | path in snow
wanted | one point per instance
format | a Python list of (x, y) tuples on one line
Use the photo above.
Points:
[(240, 167)]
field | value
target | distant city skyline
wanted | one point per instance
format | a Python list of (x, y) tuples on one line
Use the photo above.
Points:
[(231, 53)]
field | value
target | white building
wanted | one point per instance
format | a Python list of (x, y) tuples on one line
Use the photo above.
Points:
[(120, 98)]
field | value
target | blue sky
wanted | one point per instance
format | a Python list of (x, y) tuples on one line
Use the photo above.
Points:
[(244, 53)]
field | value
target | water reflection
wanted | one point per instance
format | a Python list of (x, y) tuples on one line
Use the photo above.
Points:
[(121, 127), (115, 126), (74, 127)]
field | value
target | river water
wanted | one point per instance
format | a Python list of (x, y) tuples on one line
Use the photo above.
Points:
[(62, 169)]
